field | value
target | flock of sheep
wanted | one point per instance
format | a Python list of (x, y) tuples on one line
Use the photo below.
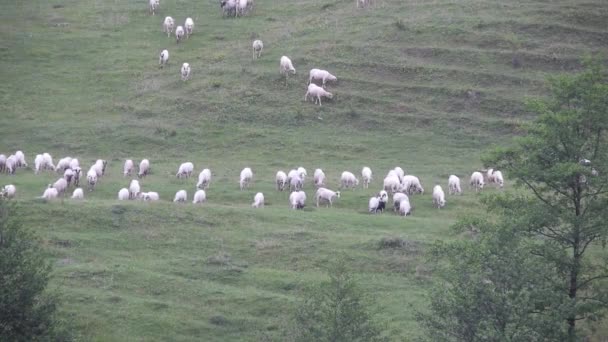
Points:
[(396, 182)]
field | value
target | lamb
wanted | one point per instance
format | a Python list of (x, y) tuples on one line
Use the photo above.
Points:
[(411, 185), (405, 207), (257, 48), (134, 189), (168, 26), (285, 67), (316, 93), (280, 180), (476, 181), (149, 196), (20, 159), (91, 178), (78, 194), (454, 185), (185, 71), (61, 185), (181, 196), (366, 175), (185, 170), (50, 193), (8, 191), (127, 168), (297, 199), (438, 197), (258, 200), (323, 75), (179, 33), (123, 194), (319, 178), (204, 179), (246, 178), (153, 6), (144, 168), (348, 180), (199, 196), (2, 162), (326, 195), (302, 172), (100, 167), (397, 198), (163, 59), (241, 7), (189, 25)]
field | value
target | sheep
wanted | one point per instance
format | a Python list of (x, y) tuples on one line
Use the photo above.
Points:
[(280, 180), (366, 175), (326, 195), (163, 59), (189, 26), (319, 178), (185, 170), (100, 167), (123, 194), (228, 7), (199, 197), (63, 164), (91, 178), (179, 33), (348, 180), (292, 173), (476, 181), (204, 179), (134, 189), (11, 164), (127, 168), (257, 48), (8, 191), (144, 168), (376, 205), (38, 163), (405, 208), (185, 71), (454, 185), (168, 26), (74, 163), (77, 171), (323, 75), (61, 185), (489, 176), (153, 6), (411, 185), (47, 162), (241, 7), (397, 198), (2, 162), (149, 196), (68, 175), (438, 197), (297, 199), (258, 200), (49, 193), (498, 179), (78, 194), (285, 67), (20, 158), (316, 93), (181, 196), (362, 3), (296, 183), (246, 178), (302, 172), (399, 172)]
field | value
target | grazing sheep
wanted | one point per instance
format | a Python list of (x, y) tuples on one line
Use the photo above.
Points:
[(134, 189), (100, 167), (185, 170), (153, 6), (257, 48), (149, 196), (280, 180), (168, 26), (78, 194), (50, 193), (454, 185), (181, 196), (366, 175), (375, 205), (127, 168), (241, 7), (144, 168), (476, 181), (258, 200), (123, 194), (8, 191), (319, 178), (412, 185), (348, 180), (228, 7), (399, 172), (77, 173), (189, 26), (20, 159), (204, 179), (68, 175), (63, 164), (323, 75), (47, 162), (438, 197), (285, 67), (185, 71), (199, 196), (297, 199), (91, 178), (74, 163), (405, 208), (246, 178), (3, 162), (397, 198), (179, 33), (316, 93), (61, 185), (498, 179), (11, 164), (38, 163), (327, 196), (489, 176), (163, 59), (296, 183)]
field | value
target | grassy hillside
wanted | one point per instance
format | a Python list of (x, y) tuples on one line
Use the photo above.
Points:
[(426, 85)]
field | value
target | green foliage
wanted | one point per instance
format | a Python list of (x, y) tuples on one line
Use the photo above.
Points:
[(26, 312)]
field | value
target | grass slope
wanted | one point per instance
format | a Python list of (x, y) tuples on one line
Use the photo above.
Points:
[(422, 84)]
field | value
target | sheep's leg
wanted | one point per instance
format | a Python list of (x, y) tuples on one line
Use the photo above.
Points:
[(319, 97)]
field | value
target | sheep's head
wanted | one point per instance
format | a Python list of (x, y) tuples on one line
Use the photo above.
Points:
[(338, 194), (329, 95)]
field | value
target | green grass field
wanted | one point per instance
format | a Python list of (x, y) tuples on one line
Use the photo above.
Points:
[(426, 85)]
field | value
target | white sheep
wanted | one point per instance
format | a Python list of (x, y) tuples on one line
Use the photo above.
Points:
[(476, 181), (61, 185), (8, 191), (498, 179), (366, 176), (348, 180), (38, 163), (47, 162), (189, 26), (405, 208), (185, 71), (185, 170), (77, 171), (319, 178), (91, 178), (297, 199), (204, 179), (399, 172), (11, 164), (149, 196), (296, 183), (134, 189), (438, 197), (323, 75), (181, 196), (20, 159), (74, 163), (411, 185), (144, 168), (199, 196), (258, 200), (3, 162), (280, 180), (397, 198), (179, 33), (153, 6), (257, 48), (454, 185), (285, 67), (50, 193), (78, 194), (127, 168), (228, 7), (68, 175), (123, 194), (168, 25), (246, 178), (163, 59), (326, 195), (317, 93)]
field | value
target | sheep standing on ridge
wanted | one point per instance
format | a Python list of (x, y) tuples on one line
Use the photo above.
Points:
[(326, 195), (280, 180), (199, 196), (127, 168), (316, 93), (49, 193), (163, 59), (366, 175), (285, 67), (411, 185), (149, 196), (189, 26), (61, 185), (204, 179), (185, 170), (144, 168), (348, 180), (405, 208), (454, 185), (168, 26), (476, 181), (323, 75), (246, 178), (181, 196), (179, 33), (397, 198), (185, 71), (257, 48), (258, 200), (438, 197)]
